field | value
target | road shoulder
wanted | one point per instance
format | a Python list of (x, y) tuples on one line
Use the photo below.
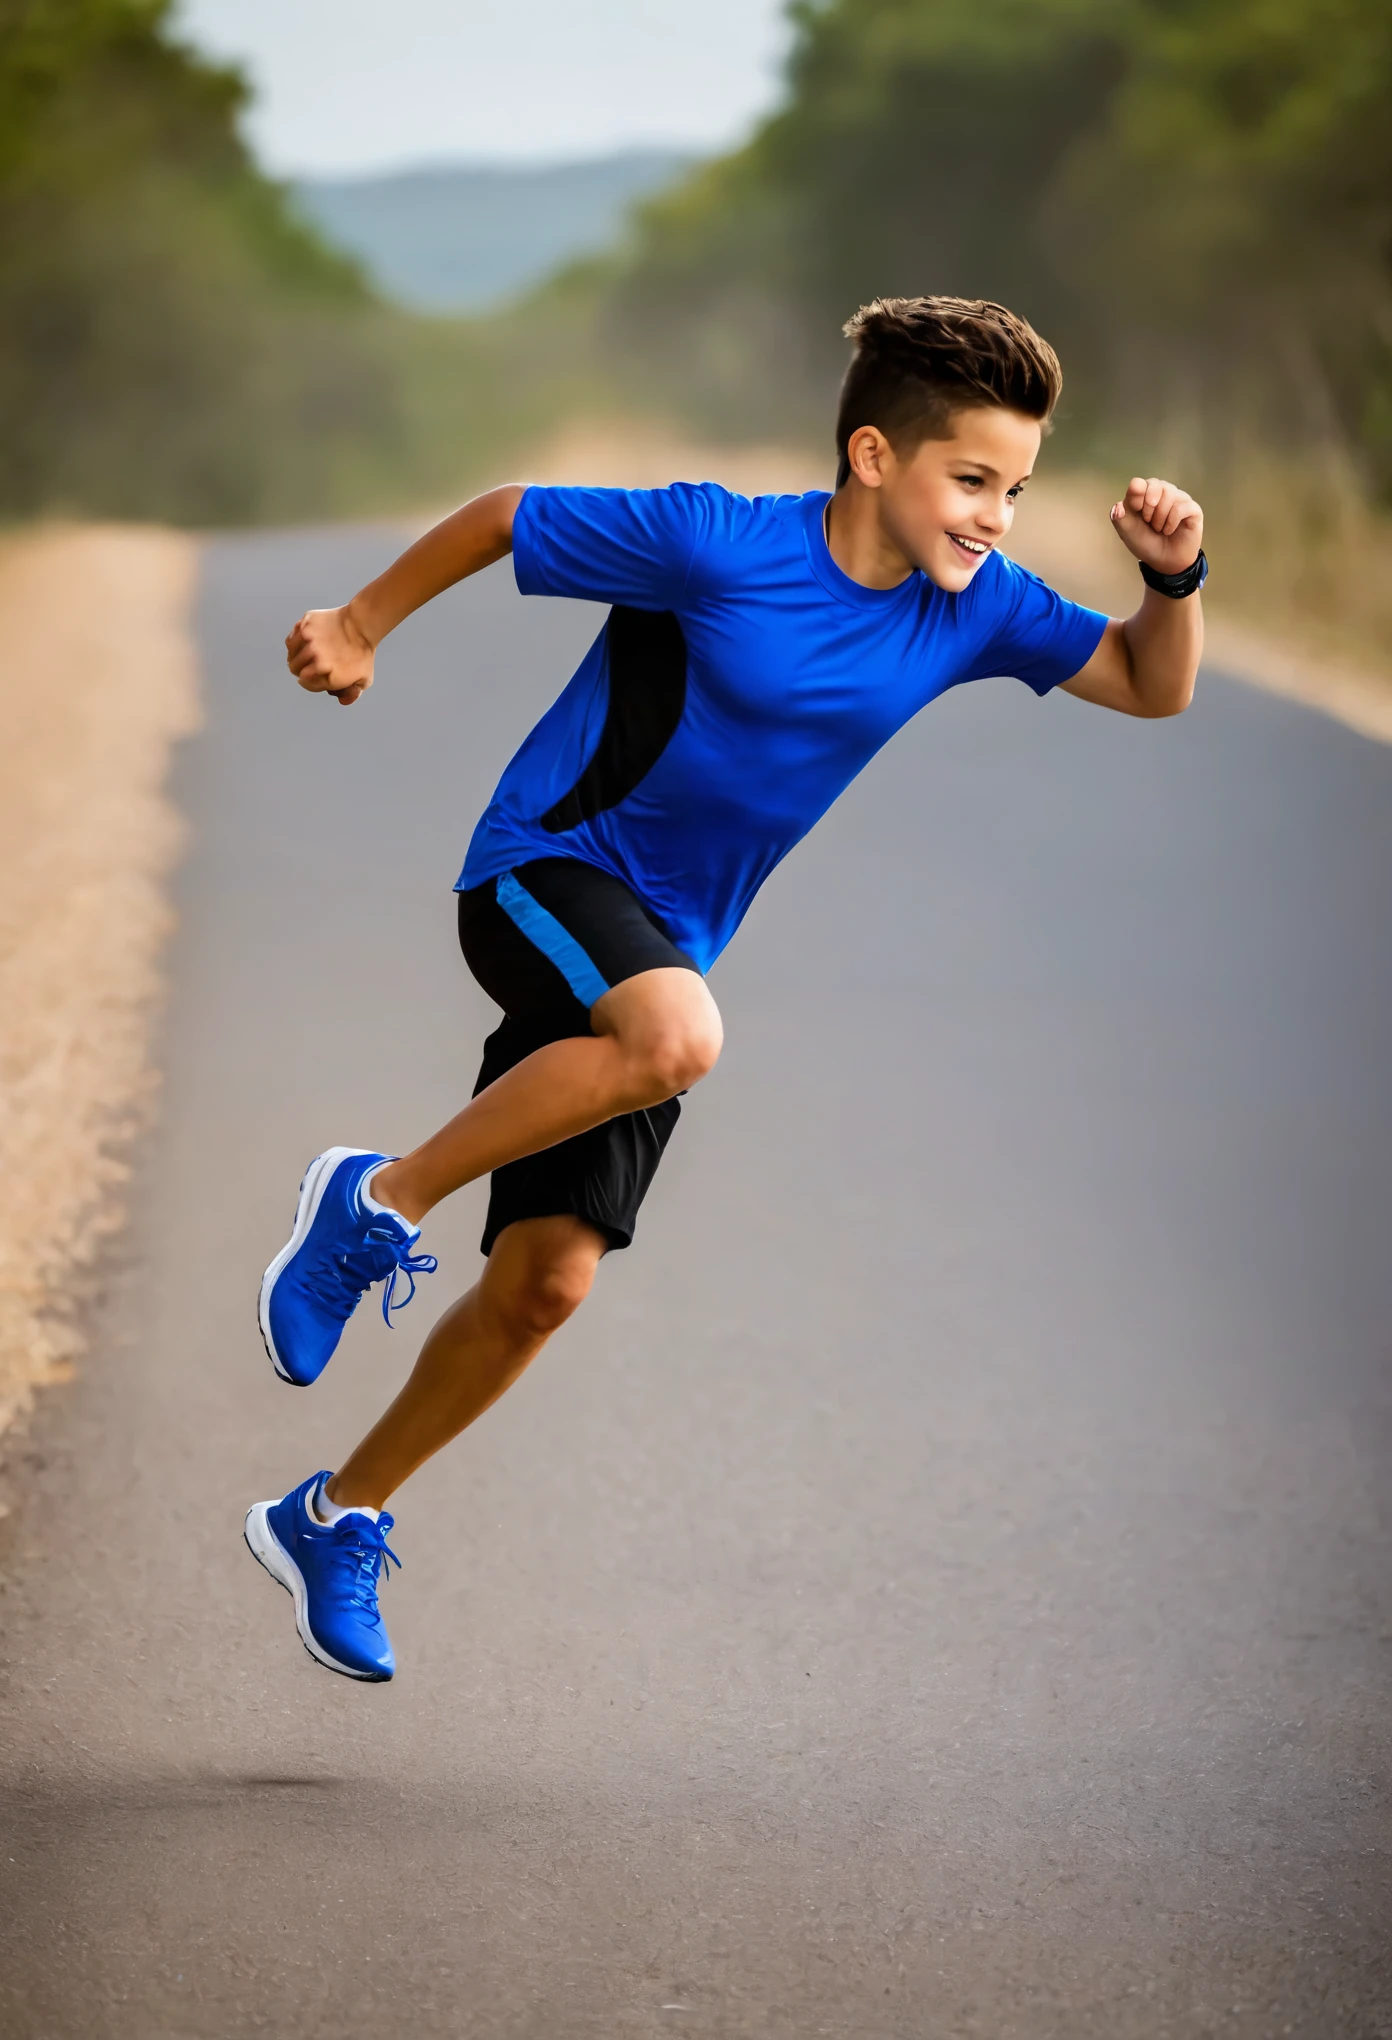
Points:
[(97, 684)]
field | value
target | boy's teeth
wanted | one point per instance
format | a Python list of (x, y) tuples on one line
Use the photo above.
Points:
[(970, 544)]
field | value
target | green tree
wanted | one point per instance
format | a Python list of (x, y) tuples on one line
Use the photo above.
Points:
[(1193, 198), (173, 342)]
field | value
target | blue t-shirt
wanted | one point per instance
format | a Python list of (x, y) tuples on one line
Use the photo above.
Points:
[(739, 685)]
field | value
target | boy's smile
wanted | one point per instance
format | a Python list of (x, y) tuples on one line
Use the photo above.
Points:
[(942, 507)]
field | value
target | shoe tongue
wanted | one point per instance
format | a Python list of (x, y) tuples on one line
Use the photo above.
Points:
[(374, 1257)]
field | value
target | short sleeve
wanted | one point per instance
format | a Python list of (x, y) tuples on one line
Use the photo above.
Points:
[(1036, 634), (631, 546)]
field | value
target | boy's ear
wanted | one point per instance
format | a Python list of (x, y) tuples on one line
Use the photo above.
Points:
[(869, 453)]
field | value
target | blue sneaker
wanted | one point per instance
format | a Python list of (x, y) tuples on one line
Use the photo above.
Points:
[(330, 1570), (341, 1245)]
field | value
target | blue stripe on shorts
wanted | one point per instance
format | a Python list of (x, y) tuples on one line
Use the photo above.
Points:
[(545, 933)]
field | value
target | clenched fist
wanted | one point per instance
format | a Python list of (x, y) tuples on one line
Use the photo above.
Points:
[(329, 653), (1159, 524)]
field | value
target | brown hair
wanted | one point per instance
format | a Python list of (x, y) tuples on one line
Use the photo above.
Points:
[(919, 360)]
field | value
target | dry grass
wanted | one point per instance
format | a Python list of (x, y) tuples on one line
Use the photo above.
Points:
[(97, 680), (1062, 533), (623, 456)]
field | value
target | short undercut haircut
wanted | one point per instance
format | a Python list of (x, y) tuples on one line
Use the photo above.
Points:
[(917, 361)]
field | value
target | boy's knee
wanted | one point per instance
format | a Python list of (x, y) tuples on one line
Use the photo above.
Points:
[(668, 1028), (680, 1054), (544, 1294)]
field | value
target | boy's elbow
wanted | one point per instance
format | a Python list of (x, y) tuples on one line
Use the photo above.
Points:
[(1161, 711), (1158, 703)]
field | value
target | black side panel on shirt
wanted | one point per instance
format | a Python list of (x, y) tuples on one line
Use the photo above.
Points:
[(646, 655)]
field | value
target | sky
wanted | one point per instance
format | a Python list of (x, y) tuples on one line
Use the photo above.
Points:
[(366, 85)]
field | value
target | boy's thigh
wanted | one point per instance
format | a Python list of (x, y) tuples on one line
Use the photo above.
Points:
[(554, 936), (547, 942), (600, 1177)]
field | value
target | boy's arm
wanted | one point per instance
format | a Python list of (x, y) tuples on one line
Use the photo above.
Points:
[(1147, 665), (331, 651)]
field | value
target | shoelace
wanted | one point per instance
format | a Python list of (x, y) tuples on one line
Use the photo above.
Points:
[(350, 1275), (363, 1544), (409, 1265)]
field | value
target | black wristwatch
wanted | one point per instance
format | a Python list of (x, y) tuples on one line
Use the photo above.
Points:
[(1188, 581)]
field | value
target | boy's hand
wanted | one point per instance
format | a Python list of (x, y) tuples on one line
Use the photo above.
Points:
[(329, 653), (1159, 524)]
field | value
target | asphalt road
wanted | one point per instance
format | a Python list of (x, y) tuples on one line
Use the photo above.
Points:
[(939, 1586)]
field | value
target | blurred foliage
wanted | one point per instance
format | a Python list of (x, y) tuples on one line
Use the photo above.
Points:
[(174, 342), (171, 342), (1191, 198)]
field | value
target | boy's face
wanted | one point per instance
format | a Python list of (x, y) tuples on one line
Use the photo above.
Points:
[(950, 501)]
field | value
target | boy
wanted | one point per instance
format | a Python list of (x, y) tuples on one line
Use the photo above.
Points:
[(756, 656)]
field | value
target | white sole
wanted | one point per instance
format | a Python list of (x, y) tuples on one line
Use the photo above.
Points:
[(267, 1549), (316, 1177)]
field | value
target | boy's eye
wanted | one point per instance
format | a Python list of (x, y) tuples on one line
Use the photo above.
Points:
[(970, 481)]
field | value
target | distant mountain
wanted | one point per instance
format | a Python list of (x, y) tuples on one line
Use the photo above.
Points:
[(461, 239)]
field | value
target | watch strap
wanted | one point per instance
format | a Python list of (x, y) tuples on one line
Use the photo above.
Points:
[(1187, 581)]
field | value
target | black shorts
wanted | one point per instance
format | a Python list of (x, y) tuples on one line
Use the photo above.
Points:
[(545, 942)]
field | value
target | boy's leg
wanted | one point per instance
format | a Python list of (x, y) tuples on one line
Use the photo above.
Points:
[(538, 1273), (326, 1542), (602, 1028), (654, 1035)]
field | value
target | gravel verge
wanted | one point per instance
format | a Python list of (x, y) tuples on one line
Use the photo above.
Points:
[(97, 683)]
